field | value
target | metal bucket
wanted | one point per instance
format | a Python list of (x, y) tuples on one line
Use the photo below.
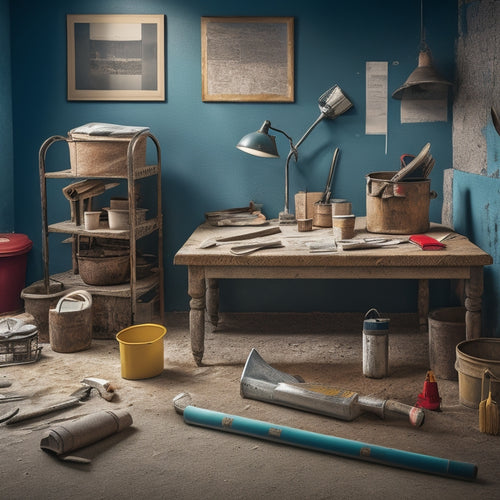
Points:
[(37, 303), (474, 357), (446, 330), (397, 207)]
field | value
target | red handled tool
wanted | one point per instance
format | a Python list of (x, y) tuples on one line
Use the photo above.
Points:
[(426, 242)]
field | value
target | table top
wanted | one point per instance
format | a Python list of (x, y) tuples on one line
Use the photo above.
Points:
[(296, 252)]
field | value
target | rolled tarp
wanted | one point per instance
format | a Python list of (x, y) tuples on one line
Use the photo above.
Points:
[(85, 431)]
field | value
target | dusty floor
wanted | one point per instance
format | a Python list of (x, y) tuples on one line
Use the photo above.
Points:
[(162, 457)]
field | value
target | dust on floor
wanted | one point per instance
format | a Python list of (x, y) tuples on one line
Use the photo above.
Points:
[(162, 457)]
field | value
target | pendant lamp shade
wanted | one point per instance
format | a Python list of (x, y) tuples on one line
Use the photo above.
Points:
[(424, 82)]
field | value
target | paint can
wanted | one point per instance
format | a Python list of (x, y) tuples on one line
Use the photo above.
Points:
[(375, 345), (322, 216), (343, 226)]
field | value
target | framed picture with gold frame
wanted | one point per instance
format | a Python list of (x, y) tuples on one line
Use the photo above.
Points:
[(115, 57), (247, 59)]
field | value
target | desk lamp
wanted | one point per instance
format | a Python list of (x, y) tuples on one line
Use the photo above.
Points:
[(260, 143)]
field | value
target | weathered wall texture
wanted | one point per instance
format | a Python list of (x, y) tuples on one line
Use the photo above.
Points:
[(472, 204), (478, 85)]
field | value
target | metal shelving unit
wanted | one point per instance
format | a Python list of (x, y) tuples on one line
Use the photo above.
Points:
[(135, 288)]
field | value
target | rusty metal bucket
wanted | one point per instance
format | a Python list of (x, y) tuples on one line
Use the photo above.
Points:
[(397, 207)]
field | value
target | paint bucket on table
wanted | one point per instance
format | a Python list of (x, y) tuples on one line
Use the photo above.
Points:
[(375, 345)]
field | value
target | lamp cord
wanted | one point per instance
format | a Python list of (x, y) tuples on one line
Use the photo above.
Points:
[(423, 43), (293, 149)]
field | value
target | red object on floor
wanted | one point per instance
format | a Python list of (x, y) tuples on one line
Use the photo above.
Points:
[(429, 397), (14, 250)]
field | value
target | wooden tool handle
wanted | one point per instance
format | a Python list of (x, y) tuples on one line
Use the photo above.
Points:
[(253, 234), (43, 411), (415, 415)]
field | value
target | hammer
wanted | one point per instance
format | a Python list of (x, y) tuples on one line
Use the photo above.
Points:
[(103, 387)]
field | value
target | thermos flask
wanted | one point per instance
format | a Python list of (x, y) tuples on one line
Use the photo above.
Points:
[(375, 345)]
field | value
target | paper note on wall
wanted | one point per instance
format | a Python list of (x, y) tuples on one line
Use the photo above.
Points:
[(425, 110), (376, 99)]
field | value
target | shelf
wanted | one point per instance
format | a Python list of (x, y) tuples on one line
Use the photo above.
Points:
[(71, 280), (139, 173), (118, 305), (141, 230)]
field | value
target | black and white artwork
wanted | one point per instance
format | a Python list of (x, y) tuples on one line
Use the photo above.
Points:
[(115, 58)]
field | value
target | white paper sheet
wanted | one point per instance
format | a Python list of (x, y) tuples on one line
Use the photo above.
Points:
[(424, 110), (376, 99)]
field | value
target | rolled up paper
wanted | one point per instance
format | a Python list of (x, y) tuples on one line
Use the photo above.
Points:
[(85, 431)]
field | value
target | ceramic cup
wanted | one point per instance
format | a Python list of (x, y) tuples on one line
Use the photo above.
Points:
[(91, 220), (343, 226), (322, 216), (341, 207)]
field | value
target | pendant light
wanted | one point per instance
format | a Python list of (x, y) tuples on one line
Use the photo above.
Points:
[(424, 82)]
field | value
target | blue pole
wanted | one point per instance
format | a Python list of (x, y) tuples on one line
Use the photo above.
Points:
[(329, 444)]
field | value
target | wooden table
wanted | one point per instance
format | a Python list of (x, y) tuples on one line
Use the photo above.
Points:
[(460, 260)]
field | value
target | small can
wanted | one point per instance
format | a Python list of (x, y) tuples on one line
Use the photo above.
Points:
[(375, 345)]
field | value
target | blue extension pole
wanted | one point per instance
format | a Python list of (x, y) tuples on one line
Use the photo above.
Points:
[(329, 444)]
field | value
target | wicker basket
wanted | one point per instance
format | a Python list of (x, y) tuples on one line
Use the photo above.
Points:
[(104, 270), (100, 155), (70, 322)]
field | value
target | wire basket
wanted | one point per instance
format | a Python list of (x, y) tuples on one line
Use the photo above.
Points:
[(19, 350), (18, 343)]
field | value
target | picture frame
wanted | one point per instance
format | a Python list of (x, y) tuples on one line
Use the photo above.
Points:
[(115, 57), (247, 59)]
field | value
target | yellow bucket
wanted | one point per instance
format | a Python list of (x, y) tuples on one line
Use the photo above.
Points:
[(141, 350)]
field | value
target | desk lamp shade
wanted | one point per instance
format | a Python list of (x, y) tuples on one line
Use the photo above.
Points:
[(332, 103), (260, 143)]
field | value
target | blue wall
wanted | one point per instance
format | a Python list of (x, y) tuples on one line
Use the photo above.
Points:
[(202, 168), (476, 208), (6, 146)]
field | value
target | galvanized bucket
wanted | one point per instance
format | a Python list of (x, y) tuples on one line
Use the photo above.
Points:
[(474, 357)]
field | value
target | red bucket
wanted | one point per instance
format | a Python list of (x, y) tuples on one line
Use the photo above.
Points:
[(14, 250)]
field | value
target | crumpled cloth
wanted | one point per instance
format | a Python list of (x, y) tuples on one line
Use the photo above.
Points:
[(108, 129)]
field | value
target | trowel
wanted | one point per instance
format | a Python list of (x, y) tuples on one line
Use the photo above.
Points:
[(262, 382)]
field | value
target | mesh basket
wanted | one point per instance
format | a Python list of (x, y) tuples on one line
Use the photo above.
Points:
[(19, 350), (18, 342)]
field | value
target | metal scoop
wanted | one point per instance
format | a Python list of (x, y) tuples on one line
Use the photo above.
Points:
[(262, 382)]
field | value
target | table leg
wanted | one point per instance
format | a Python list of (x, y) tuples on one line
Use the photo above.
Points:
[(473, 299), (196, 290), (213, 301), (423, 304)]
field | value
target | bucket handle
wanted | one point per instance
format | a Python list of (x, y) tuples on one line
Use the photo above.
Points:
[(372, 314), (73, 296), (375, 191), (486, 374)]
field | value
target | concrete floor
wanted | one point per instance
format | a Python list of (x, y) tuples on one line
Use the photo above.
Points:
[(162, 457)]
